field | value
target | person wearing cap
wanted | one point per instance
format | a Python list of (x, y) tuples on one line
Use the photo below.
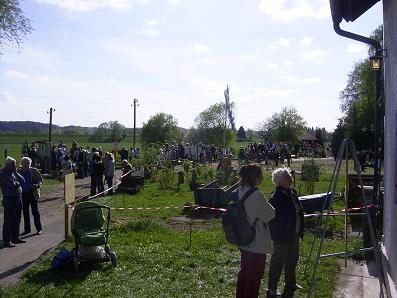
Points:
[(285, 230)]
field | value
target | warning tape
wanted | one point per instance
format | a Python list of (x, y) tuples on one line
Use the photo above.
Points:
[(85, 198), (343, 211)]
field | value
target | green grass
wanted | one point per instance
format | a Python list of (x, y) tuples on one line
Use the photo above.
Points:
[(12, 142), (155, 259)]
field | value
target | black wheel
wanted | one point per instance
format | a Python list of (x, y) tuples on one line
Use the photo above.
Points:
[(107, 249), (113, 258), (76, 264)]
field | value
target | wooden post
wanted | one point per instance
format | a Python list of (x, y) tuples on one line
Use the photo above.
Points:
[(70, 196)]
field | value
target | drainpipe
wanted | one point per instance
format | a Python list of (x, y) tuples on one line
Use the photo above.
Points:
[(378, 102)]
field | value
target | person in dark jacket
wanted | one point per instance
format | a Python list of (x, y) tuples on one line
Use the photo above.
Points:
[(30, 195), (10, 183), (285, 230), (96, 172)]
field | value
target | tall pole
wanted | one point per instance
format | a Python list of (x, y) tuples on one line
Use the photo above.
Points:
[(135, 104), (346, 199), (50, 138), (226, 107), (50, 127), (378, 130)]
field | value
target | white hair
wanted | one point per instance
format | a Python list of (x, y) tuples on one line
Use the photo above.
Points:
[(278, 175), (26, 159), (9, 160)]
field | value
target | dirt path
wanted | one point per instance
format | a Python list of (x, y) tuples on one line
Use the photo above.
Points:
[(15, 260)]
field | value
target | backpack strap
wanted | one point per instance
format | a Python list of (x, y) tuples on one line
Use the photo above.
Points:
[(247, 195)]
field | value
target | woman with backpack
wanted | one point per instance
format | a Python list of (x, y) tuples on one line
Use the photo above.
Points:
[(259, 212)]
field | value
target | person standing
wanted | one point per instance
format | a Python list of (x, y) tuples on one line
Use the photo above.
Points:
[(10, 184), (108, 163), (30, 195), (285, 229), (259, 213), (96, 173)]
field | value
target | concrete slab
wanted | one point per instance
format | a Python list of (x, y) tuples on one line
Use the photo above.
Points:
[(357, 280)]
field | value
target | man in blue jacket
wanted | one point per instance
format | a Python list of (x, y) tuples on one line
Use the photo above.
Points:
[(10, 183)]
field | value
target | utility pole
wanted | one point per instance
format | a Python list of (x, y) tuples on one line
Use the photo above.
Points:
[(50, 138), (50, 127), (135, 104)]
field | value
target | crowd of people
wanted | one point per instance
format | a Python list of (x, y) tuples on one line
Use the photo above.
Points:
[(195, 152), (278, 222)]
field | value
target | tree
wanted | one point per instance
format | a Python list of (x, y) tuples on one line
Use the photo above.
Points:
[(285, 126), (160, 128), (14, 26), (211, 125), (358, 100), (109, 132), (241, 133), (337, 137)]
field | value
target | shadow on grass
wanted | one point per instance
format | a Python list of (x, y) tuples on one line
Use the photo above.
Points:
[(61, 277)]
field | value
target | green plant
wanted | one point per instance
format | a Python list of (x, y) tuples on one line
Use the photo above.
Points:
[(166, 176), (186, 167)]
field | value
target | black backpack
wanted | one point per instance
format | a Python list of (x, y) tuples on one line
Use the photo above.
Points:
[(235, 223)]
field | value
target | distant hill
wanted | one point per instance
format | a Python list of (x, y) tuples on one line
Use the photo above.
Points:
[(38, 128)]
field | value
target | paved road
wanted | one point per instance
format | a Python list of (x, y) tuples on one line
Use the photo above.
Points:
[(13, 261)]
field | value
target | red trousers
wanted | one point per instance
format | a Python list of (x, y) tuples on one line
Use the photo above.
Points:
[(251, 273)]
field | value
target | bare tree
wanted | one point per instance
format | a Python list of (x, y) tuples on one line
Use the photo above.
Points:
[(14, 26)]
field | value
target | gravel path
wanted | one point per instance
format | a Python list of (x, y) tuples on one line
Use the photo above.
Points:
[(15, 260)]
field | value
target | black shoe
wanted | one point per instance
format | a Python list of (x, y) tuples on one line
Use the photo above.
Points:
[(19, 241), (24, 233), (270, 295), (292, 288), (9, 244)]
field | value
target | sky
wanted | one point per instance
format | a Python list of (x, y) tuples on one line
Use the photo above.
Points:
[(89, 59)]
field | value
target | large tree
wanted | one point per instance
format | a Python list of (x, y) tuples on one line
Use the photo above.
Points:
[(358, 100), (211, 125), (284, 126), (14, 26), (160, 128), (109, 132)]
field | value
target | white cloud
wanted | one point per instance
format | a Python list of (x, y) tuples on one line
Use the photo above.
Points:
[(267, 92), (291, 10), (281, 43), (312, 80), (314, 54), (152, 23), (288, 79), (88, 5), (199, 48), (291, 79), (152, 32), (6, 97), (272, 65), (176, 2), (15, 75), (306, 41), (355, 48)]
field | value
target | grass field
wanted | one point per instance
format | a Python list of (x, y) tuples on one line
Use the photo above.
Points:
[(155, 259), (13, 142)]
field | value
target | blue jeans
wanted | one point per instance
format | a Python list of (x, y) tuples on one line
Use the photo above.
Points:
[(28, 199), (97, 183), (12, 218)]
